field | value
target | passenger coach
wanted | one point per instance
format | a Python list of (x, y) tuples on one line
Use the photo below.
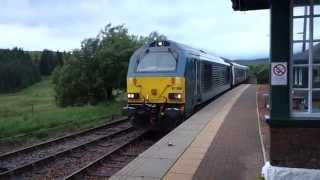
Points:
[(239, 73), (167, 80)]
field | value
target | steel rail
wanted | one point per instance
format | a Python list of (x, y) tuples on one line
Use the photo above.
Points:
[(60, 153), (104, 156), (46, 143)]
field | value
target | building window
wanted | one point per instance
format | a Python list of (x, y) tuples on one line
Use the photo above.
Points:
[(305, 59)]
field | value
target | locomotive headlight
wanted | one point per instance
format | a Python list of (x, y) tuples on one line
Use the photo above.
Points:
[(130, 95), (133, 95), (176, 96)]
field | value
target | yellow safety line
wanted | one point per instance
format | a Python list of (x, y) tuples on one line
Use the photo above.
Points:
[(187, 164)]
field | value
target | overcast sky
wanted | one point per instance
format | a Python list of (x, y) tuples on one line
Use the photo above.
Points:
[(63, 24)]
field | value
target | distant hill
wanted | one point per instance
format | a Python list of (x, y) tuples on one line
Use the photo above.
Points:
[(303, 56), (248, 62)]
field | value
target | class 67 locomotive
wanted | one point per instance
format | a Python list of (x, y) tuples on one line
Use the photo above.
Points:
[(167, 81)]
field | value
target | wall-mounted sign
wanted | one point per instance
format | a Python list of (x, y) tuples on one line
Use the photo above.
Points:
[(279, 73)]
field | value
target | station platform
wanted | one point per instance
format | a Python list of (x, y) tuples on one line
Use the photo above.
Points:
[(221, 141)]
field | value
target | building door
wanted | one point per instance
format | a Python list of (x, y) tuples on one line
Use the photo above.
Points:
[(305, 59)]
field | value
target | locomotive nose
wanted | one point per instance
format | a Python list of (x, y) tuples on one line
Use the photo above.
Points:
[(156, 89)]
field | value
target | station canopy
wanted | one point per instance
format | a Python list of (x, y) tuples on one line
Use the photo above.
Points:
[(246, 5), (304, 2)]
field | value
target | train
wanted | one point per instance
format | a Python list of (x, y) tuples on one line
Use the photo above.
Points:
[(167, 81)]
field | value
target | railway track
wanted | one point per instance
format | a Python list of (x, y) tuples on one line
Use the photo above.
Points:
[(112, 162), (63, 157)]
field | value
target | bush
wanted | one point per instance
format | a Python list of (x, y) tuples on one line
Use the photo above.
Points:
[(89, 75), (261, 72)]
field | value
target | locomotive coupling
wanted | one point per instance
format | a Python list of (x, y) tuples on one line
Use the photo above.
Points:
[(128, 111), (173, 113), (170, 112)]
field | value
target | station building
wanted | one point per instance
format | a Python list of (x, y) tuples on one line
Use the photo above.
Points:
[(295, 79)]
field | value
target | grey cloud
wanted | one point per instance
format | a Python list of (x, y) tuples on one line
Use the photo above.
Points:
[(210, 24)]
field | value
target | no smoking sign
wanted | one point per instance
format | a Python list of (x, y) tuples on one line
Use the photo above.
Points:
[(279, 73)]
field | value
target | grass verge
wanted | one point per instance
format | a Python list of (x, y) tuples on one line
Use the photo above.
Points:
[(32, 113)]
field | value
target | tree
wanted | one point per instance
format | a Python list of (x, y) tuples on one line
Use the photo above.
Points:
[(59, 57), (155, 35), (90, 74), (113, 55), (261, 72), (17, 70), (48, 61)]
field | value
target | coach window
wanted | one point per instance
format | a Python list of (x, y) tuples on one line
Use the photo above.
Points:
[(305, 58)]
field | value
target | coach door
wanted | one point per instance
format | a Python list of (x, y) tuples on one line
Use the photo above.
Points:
[(190, 85), (197, 84), (305, 60)]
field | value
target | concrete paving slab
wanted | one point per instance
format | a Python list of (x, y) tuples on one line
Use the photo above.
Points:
[(178, 176), (235, 152), (203, 140), (131, 167), (158, 159), (154, 168), (133, 178), (164, 153)]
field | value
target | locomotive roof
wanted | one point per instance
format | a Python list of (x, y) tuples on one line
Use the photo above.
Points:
[(202, 54)]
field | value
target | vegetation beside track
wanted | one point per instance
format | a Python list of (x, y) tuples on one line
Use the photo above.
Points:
[(77, 87), (33, 113), (92, 73), (261, 72)]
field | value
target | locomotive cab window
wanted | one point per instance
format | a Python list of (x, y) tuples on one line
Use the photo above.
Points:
[(157, 62)]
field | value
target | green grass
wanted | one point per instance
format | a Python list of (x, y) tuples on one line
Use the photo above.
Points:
[(33, 112)]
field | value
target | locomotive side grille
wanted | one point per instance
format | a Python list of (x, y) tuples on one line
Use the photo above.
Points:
[(214, 75)]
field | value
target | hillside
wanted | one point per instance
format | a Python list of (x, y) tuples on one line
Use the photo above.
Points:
[(298, 57), (252, 61), (305, 55), (33, 112)]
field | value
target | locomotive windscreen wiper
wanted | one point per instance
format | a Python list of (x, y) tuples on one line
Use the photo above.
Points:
[(174, 54)]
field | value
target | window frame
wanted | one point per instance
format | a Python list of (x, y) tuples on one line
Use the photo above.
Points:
[(310, 64), (164, 52)]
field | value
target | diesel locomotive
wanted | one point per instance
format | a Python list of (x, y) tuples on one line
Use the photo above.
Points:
[(167, 80)]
